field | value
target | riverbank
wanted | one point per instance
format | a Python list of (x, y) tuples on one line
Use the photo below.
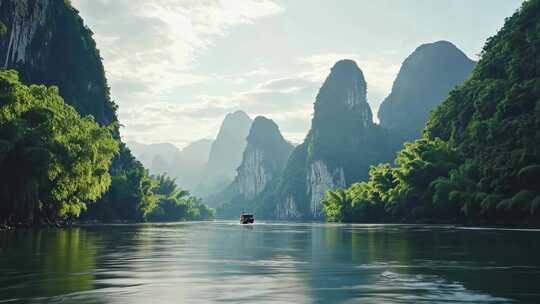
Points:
[(426, 222), (85, 223)]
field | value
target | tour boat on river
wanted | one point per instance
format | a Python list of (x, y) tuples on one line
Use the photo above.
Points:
[(247, 218)]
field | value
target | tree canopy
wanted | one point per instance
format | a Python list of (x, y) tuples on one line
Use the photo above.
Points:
[(52, 160)]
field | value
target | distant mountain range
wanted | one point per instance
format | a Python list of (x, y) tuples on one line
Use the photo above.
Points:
[(186, 165), (338, 151), (204, 167), (344, 141)]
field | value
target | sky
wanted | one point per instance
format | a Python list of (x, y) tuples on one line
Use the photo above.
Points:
[(177, 67)]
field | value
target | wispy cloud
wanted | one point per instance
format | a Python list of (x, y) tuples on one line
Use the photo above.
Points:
[(149, 49), (169, 122), (149, 45), (289, 101)]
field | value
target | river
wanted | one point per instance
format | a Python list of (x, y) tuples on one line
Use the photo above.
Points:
[(272, 262)]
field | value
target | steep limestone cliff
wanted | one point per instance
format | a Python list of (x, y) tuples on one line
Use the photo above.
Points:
[(265, 157), (338, 150), (319, 180), (263, 161), (48, 43), (252, 176), (225, 154)]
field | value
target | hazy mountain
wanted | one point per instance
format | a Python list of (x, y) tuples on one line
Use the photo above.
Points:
[(225, 154), (191, 163), (263, 161), (424, 81), (147, 153), (186, 165)]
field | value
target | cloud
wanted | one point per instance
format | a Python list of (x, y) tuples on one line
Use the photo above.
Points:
[(287, 100), (167, 122), (149, 45), (271, 96), (151, 50)]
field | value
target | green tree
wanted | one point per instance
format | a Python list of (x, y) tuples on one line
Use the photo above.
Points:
[(175, 204), (52, 161), (131, 195)]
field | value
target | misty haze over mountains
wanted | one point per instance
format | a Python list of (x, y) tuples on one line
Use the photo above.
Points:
[(425, 78), (186, 165)]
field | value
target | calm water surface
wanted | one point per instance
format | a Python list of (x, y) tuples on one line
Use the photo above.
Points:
[(224, 262)]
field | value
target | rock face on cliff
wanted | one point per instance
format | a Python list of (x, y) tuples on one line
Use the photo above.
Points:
[(263, 162), (338, 150), (48, 43), (424, 81), (225, 154), (265, 157)]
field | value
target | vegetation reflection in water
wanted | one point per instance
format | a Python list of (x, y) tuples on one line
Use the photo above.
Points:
[(47, 263), (273, 262)]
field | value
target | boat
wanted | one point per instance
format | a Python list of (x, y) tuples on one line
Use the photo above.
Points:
[(247, 218)]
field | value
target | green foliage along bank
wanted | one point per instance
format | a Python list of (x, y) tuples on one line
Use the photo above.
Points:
[(479, 159), (135, 196), (55, 164), (174, 204), (52, 160), (130, 196)]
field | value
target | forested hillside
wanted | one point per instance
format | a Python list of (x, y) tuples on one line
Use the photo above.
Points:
[(52, 160), (479, 158)]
